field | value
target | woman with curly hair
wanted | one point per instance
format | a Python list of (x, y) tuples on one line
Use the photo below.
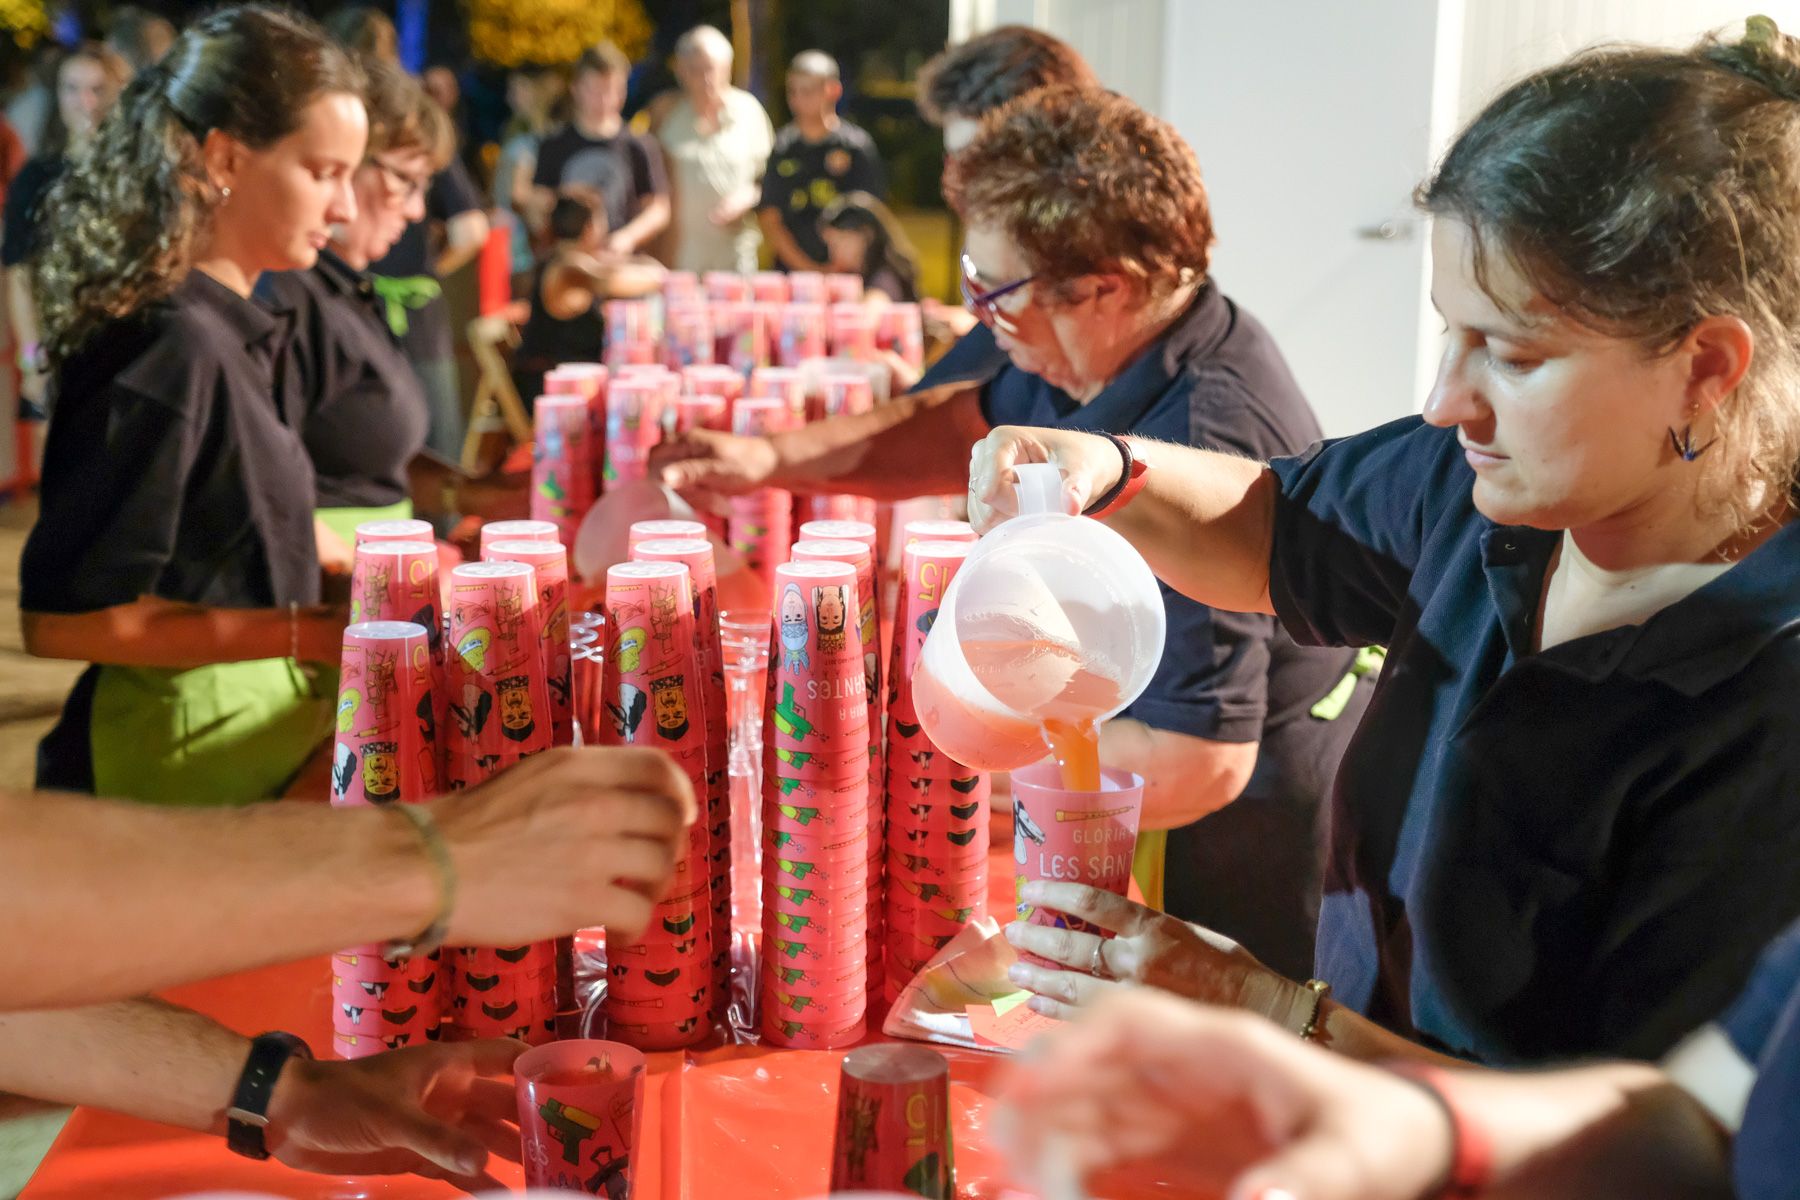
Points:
[(174, 548)]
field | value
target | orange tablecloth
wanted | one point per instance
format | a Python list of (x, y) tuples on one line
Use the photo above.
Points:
[(731, 1123)]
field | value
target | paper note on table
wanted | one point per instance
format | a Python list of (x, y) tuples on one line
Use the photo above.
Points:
[(1008, 1022)]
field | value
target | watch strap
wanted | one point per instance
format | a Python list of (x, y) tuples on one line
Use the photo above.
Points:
[(1471, 1148), (1134, 473), (248, 1115)]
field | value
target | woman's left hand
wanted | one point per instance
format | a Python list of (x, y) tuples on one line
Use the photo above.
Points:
[(1149, 948)]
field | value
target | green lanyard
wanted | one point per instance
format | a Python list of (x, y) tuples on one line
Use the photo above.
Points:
[(400, 293)]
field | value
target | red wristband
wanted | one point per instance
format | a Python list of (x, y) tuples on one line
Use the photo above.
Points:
[(1471, 1149), (1135, 474)]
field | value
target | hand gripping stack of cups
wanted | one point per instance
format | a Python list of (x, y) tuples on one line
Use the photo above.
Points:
[(857, 554), (497, 671), (659, 990), (937, 808), (839, 393), (813, 993), (759, 524), (685, 542)]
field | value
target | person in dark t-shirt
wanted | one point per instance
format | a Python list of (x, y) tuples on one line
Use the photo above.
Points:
[(597, 157), (818, 157)]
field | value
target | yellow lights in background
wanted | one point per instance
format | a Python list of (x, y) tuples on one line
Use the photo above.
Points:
[(25, 21), (509, 34)]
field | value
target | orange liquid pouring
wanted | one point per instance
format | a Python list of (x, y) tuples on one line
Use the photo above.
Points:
[(1050, 681)]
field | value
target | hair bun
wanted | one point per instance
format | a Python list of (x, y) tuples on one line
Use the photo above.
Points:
[(1764, 54)]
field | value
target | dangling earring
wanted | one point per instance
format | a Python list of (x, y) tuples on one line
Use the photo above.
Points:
[(1684, 444)]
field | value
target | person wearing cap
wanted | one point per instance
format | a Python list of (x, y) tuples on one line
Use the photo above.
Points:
[(568, 839), (174, 545), (1239, 730)]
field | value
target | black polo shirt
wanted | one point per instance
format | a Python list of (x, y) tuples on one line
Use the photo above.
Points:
[(803, 177), (1217, 380), (365, 413), (169, 471), (1537, 856)]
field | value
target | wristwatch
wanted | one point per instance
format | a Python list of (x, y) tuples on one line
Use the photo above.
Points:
[(248, 1115)]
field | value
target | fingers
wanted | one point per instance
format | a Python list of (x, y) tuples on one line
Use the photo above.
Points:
[(1069, 947), (1111, 912), (492, 1056), (1067, 988), (625, 913), (438, 1143), (1313, 1167), (619, 769), (643, 863)]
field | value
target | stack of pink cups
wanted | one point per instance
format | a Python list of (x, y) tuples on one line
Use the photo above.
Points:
[(759, 525), (741, 334), (682, 285), (725, 285), (695, 553), (770, 287), (563, 486), (843, 288), (787, 382), (840, 393), (587, 380), (814, 987), (631, 333), (807, 287), (859, 558), (687, 333), (713, 379), (550, 562), (397, 581), (903, 331), (634, 404), (853, 330), (937, 808), (385, 753), (798, 333), (659, 993)]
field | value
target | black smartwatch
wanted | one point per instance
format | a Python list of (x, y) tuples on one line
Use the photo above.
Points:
[(248, 1115)]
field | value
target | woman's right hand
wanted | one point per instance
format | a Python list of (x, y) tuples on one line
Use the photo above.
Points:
[(1089, 463)]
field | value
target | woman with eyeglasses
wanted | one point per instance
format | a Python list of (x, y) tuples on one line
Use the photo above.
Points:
[(1089, 237), (174, 545), (365, 414)]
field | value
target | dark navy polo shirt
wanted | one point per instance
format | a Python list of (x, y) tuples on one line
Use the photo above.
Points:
[(1764, 1025), (1216, 380), (1538, 856), (975, 357)]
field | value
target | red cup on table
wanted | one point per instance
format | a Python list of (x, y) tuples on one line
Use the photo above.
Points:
[(404, 529), (634, 404), (770, 287), (563, 486), (498, 690), (725, 285), (575, 379), (648, 980), (893, 1123), (386, 746), (580, 1106), (1073, 836), (550, 562)]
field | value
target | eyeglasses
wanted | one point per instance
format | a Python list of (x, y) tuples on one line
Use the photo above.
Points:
[(985, 304), (410, 187)]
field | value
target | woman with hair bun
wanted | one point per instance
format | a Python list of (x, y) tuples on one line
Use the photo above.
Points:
[(1570, 821), (174, 548)]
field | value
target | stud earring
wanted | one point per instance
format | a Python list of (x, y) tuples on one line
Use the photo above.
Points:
[(224, 194), (1683, 443)]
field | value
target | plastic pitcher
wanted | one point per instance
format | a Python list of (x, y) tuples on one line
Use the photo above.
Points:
[(1051, 618)]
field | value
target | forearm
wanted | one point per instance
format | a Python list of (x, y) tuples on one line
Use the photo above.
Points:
[(1185, 777), (1619, 1130), (787, 250), (916, 445), (21, 308), (651, 220), (233, 889), (465, 235), (1204, 522), (159, 633), (141, 1057)]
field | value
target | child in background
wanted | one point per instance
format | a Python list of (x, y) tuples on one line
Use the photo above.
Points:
[(862, 237)]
